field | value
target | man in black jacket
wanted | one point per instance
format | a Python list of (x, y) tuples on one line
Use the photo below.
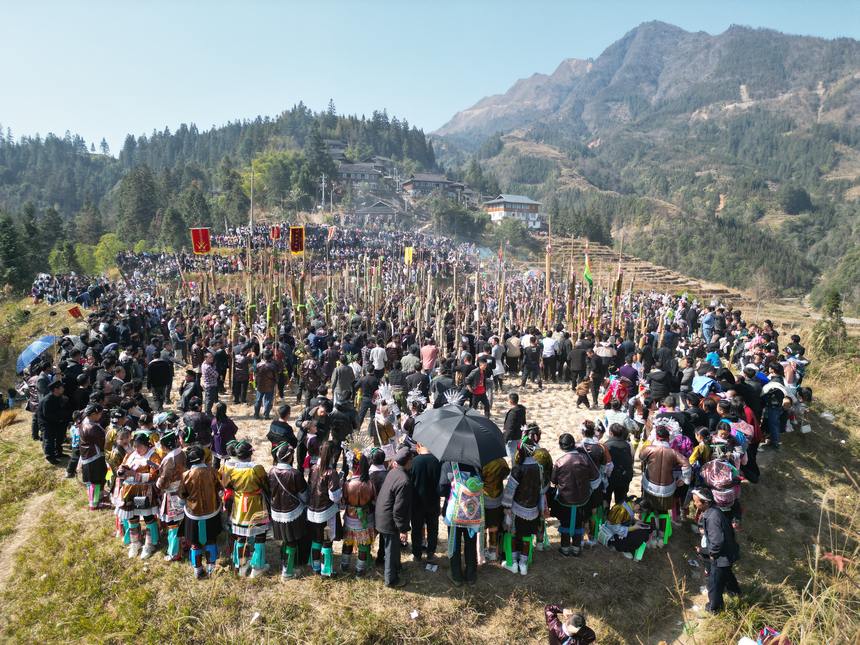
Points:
[(393, 513), (576, 360), (563, 351), (720, 551), (424, 476), (532, 363), (54, 416), (622, 464), (597, 370), (515, 420), (343, 381), (159, 376)]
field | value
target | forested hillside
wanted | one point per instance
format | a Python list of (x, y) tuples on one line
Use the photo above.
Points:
[(69, 195), (731, 157)]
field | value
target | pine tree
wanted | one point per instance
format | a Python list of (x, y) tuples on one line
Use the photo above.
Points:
[(138, 203), (193, 206), (174, 233), (88, 225), (62, 258), (330, 118), (104, 147), (12, 270)]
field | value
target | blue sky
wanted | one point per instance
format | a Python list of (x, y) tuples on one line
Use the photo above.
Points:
[(103, 69)]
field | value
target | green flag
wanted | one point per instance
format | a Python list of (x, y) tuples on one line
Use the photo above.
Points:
[(587, 273)]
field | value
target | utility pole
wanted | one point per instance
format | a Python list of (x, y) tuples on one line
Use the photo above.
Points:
[(322, 182)]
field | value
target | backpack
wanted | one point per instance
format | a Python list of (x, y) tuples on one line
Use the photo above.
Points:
[(466, 504)]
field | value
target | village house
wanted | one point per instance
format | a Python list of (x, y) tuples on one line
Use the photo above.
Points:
[(377, 214), (363, 173), (336, 149), (520, 207), (422, 184)]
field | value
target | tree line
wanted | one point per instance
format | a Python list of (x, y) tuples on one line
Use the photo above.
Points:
[(161, 184)]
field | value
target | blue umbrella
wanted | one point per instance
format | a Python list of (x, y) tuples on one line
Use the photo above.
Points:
[(36, 349)]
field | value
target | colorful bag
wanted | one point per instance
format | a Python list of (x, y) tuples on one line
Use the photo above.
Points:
[(466, 504)]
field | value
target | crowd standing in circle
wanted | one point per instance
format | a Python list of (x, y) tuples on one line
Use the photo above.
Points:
[(690, 391)]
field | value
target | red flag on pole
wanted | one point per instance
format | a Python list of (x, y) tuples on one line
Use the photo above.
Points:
[(297, 240), (200, 241)]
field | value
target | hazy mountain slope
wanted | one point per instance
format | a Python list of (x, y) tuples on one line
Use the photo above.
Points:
[(661, 68)]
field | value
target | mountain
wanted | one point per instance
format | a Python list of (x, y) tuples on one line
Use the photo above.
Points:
[(660, 68), (691, 147), (528, 99)]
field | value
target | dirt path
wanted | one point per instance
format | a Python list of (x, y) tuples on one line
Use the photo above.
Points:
[(26, 526)]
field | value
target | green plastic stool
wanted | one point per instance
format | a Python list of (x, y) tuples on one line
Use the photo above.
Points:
[(599, 518), (667, 533), (507, 544), (531, 542)]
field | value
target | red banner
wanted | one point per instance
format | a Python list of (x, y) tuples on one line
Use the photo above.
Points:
[(200, 242), (75, 312), (275, 233), (297, 240)]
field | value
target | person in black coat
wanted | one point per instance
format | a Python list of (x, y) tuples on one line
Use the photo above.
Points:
[(344, 420), (622, 463), (660, 382), (597, 371), (424, 476), (576, 362), (393, 513), (54, 416), (720, 549), (159, 377), (515, 420)]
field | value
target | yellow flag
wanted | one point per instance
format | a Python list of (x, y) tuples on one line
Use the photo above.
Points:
[(407, 255)]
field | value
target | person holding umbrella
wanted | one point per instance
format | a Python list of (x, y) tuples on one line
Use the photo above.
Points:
[(462, 487)]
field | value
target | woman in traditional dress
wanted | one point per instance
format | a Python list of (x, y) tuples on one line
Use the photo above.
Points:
[(324, 522), (92, 451), (358, 496), (171, 512), (250, 518), (523, 503), (289, 503), (138, 498), (494, 474), (199, 488)]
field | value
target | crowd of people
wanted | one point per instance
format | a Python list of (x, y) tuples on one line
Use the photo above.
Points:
[(690, 391)]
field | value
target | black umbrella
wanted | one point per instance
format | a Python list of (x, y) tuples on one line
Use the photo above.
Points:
[(454, 433)]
